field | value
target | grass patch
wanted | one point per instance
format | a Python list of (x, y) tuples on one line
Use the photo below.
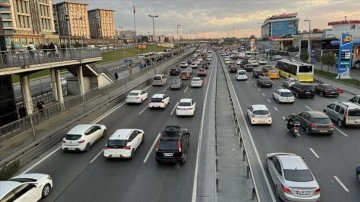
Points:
[(8, 171), (330, 75), (46, 72)]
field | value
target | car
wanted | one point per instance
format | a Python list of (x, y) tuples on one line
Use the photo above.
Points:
[(201, 72), (185, 75), (259, 114), (292, 178), (326, 90), (123, 143), (173, 145), (275, 57), (344, 113), (159, 101), (159, 80), (136, 96), (303, 90), (189, 61), (249, 68), (257, 74), (176, 84), (205, 66), (283, 96), (289, 82), (174, 71), (262, 61), (355, 99), (196, 82), (241, 75), (194, 65), (227, 61), (222, 54), (238, 61), (185, 107), (26, 187), (253, 62), (232, 69), (264, 81), (63, 82), (315, 122), (357, 170), (82, 137), (184, 64)]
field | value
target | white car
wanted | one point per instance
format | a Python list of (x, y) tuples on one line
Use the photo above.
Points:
[(289, 82), (262, 61), (194, 65), (259, 114), (253, 62), (184, 64), (82, 137), (136, 96), (227, 61), (196, 82), (186, 107), (238, 62), (159, 101), (123, 143), (241, 75), (283, 96), (26, 187), (199, 59), (222, 54)]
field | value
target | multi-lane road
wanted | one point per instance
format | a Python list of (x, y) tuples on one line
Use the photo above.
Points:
[(90, 177)]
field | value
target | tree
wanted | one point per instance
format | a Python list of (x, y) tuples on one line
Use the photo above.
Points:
[(252, 36), (328, 59), (304, 56)]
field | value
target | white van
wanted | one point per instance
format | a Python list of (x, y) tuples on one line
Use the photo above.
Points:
[(159, 80)]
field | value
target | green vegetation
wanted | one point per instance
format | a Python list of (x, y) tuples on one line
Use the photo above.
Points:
[(330, 75), (328, 59), (304, 56), (15, 78), (9, 170)]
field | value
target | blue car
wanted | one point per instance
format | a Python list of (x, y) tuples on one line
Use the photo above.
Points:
[(358, 173)]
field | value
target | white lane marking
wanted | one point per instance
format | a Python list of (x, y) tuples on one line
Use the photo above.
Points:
[(276, 109), (317, 156), (340, 131), (174, 108), (263, 94), (96, 156), (194, 192), (143, 110), (151, 148), (41, 160), (107, 113), (341, 184), (308, 108), (186, 89), (283, 117), (268, 100), (166, 88)]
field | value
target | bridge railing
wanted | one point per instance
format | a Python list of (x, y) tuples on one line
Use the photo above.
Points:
[(23, 58)]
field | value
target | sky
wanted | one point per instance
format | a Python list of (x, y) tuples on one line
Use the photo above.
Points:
[(220, 18)]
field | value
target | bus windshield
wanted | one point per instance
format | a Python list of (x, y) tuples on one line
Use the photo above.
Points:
[(305, 69)]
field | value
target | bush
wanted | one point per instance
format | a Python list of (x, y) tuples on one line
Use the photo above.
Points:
[(304, 56), (9, 170)]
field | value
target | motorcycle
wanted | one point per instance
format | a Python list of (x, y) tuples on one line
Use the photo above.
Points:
[(295, 128)]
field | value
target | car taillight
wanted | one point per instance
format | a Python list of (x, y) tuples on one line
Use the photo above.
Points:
[(127, 147), (157, 145), (313, 125), (301, 90), (106, 147), (331, 125), (81, 141), (179, 146), (317, 190), (285, 189)]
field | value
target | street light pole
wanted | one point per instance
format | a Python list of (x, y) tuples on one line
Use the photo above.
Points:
[(82, 42), (309, 47), (122, 33), (153, 17), (177, 32)]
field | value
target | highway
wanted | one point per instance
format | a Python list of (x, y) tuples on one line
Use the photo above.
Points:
[(332, 159), (90, 177)]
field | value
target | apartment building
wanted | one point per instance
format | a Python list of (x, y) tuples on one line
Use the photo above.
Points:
[(71, 21), (26, 21), (101, 23)]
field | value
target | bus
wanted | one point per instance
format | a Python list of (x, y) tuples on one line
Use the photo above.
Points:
[(303, 72)]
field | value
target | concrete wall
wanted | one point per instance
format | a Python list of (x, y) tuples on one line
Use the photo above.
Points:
[(103, 80), (73, 85)]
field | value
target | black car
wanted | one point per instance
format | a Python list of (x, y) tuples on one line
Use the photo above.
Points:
[(232, 69), (264, 81), (172, 145), (257, 74), (174, 71), (205, 66), (303, 90), (315, 122), (357, 169), (249, 68), (326, 90)]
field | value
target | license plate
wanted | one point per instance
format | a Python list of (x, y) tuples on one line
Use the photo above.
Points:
[(115, 155), (307, 92), (71, 148), (168, 154), (303, 192), (323, 131)]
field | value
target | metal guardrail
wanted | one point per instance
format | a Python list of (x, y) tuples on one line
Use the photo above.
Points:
[(236, 109), (17, 59), (111, 94)]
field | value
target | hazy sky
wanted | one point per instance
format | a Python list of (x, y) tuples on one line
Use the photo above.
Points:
[(218, 18)]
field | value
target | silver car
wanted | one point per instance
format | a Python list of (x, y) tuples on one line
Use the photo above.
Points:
[(292, 178), (289, 82)]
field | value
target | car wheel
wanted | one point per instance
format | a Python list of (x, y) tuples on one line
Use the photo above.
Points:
[(278, 100), (358, 177), (132, 154), (143, 139), (340, 123), (321, 94), (46, 191), (87, 148), (308, 130), (183, 160)]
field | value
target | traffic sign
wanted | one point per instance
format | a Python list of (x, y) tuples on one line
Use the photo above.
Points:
[(128, 61)]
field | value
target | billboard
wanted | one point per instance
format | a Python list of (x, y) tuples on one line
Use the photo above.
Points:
[(344, 59)]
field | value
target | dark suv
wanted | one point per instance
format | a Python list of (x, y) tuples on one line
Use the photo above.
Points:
[(303, 90), (172, 145)]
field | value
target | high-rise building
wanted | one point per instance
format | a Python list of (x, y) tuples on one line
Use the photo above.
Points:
[(276, 26), (101, 23), (71, 21), (26, 21)]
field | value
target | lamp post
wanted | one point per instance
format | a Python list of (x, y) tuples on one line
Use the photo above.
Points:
[(309, 47), (177, 32), (122, 33), (153, 17)]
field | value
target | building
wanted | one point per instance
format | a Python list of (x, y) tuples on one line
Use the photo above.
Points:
[(101, 22), (71, 21), (285, 24), (26, 21), (346, 26)]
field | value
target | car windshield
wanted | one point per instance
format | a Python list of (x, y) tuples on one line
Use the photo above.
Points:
[(354, 112), (286, 94), (298, 175), (328, 87), (265, 79), (168, 145), (175, 81), (261, 112), (22, 180), (72, 136), (133, 94), (322, 120), (242, 73), (184, 104), (117, 143), (156, 100), (157, 78), (307, 87), (196, 79)]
